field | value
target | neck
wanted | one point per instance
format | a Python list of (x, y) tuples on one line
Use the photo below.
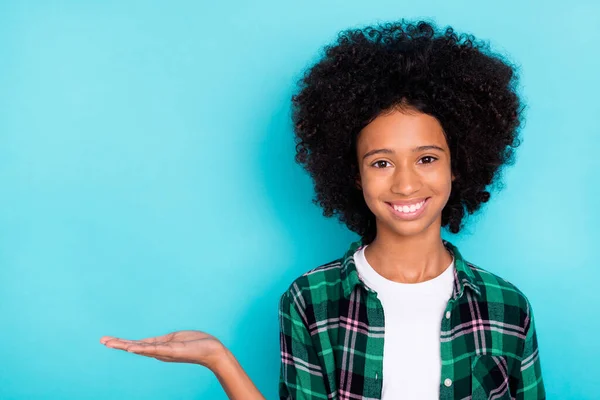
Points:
[(408, 259)]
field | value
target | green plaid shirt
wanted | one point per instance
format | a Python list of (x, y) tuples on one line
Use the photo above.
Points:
[(332, 334)]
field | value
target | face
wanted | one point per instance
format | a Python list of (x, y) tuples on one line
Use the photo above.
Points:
[(405, 173)]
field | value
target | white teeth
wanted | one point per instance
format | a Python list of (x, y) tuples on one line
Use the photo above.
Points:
[(412, 208)]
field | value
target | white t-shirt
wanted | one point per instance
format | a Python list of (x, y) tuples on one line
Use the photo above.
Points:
[(413, 316)]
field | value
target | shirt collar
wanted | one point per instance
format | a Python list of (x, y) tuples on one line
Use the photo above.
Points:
[(463, 275)]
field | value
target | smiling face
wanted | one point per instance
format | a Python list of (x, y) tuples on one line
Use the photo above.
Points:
[(405, 174)]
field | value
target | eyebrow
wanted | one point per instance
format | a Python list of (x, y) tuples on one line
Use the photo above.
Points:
[(415, 150)]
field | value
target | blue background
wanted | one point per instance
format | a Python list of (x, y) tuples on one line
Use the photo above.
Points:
[(148, 184)]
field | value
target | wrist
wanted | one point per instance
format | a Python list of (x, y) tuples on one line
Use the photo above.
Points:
[(222, 361), (234, 380)]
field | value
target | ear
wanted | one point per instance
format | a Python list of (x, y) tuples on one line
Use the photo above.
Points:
[(358, 183), (453, 177)]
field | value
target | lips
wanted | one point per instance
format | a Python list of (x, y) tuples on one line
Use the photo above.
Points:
[(410, 215), (410, 202)]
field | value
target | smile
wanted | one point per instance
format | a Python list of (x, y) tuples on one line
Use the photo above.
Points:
[(409, 212)]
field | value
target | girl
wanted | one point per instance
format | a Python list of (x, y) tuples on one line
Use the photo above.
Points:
[(402, 127)]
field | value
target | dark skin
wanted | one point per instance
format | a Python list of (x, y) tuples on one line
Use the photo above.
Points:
[(408, 159)]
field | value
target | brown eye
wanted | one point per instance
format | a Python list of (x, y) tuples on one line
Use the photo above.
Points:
[(379, 163), (429, 157)]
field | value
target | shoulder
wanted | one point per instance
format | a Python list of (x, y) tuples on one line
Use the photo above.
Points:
[(502, 296), (315, 286)]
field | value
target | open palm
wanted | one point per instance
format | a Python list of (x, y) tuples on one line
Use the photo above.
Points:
[(183, 346)]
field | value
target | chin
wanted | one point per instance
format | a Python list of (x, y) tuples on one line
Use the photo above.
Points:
[(408, 228), (409, 231)]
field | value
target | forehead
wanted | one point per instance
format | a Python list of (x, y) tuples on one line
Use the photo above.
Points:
[(401, 130)]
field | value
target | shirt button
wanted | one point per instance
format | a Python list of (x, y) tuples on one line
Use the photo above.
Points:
[(448, 382), (447, 314)]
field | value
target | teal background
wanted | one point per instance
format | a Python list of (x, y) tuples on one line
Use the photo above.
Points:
[(148, 184)]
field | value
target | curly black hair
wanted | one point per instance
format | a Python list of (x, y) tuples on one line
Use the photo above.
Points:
[(471, 91)]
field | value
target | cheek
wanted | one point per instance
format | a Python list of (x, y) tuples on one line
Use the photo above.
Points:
[(374, 186), (444, 187), (446, 184), (440, 179), (369, 194)]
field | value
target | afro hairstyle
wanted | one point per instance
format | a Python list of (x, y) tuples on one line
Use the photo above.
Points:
[(368, 71)]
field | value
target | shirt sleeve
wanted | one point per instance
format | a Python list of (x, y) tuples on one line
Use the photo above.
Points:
[(531, 384), (301, 375)]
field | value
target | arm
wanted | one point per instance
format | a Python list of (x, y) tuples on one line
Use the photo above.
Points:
[(234, 379), (301, 376), (194, 347), (531, 384)]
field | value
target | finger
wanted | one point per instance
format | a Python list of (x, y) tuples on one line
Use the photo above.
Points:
[(158, 339), (150, 340), (120, 343), (155, 339), (152, 350), (105, 339)]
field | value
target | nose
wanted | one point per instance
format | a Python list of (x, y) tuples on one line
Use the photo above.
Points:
[(405, 181)]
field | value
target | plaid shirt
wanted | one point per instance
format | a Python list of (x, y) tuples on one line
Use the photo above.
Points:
[(332, 335)]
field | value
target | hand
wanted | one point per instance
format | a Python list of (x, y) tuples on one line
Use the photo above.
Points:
[(193, 347)]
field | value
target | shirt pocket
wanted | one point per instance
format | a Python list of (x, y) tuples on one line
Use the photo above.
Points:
[(489, 377)]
